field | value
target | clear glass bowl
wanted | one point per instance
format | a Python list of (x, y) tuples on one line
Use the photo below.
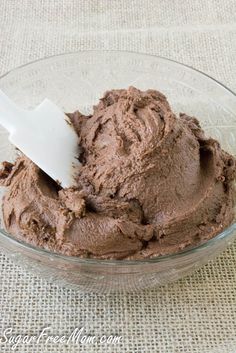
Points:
[(76, 81)]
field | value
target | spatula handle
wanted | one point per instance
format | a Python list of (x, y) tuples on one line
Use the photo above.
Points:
[(10, 114)]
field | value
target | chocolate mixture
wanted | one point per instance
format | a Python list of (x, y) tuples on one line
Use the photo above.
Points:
[(150, 184)]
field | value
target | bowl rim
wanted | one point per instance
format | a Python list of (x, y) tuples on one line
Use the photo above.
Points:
[(188, 251), (96, 261)]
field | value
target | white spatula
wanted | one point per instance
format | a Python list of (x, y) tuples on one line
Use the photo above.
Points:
[(44, 135)]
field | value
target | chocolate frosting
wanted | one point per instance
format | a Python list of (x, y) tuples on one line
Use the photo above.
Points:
[(150, 184)]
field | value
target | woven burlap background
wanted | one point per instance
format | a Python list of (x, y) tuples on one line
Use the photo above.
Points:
[(194, 315)]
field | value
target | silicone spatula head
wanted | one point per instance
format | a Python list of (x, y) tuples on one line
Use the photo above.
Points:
[(46, 136)]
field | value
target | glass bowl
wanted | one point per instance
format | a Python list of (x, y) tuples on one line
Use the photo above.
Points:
[(76, 81)]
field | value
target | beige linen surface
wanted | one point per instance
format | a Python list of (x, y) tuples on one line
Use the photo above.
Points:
[(196, 314)]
